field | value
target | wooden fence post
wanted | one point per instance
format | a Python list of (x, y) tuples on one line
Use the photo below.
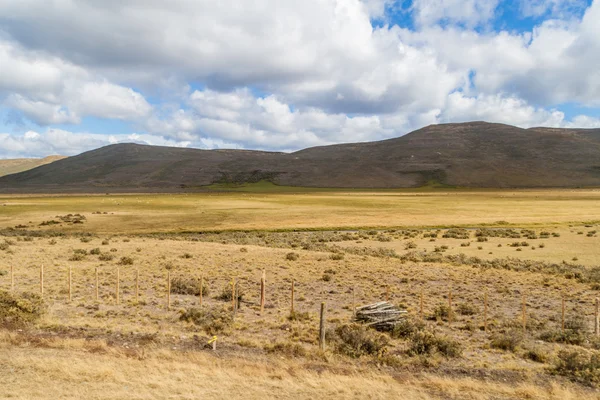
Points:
[(137, 285), (12, 278), (263, 283), (42, 281), (597, 318), (168, 290), (201, 288), (233, 299), (485, 312), (562, 316), (292, 299), (421, 306), (524, 314), (97, 285), (117, 286), (353, 301), (70, 278), (450, 316), (322, 327)]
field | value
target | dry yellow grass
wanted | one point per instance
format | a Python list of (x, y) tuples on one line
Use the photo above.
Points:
[(221, 211), (73, 372), (98, 350)]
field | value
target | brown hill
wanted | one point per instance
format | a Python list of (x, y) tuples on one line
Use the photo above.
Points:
[(475, 154), (15, 165)]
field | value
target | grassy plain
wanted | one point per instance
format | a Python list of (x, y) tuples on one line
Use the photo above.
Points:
[(312, 210), (139, 349)]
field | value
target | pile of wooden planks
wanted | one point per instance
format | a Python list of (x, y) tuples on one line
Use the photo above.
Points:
[(382, 316)]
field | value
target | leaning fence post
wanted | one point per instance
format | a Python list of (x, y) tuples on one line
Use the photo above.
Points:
[(485, 312), (597, 318), (450, 316), (353, 301), (97, 285), (168, 290), (117, 286), (233, 296), (263, 280), (524, 307), (421, 305), (562, 315), (201, 288), (137, 285), (69, 280), (322, 327), (292, 299), (42, 281)]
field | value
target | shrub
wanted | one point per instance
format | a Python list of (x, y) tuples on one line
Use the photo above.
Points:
[(77, 257), (95, 251), (355, 340), (287, 348), (406, 328), (18, 311), (508, 341), (536, 354), (337, 256), (428, 343), (326, 277), (126, 261), (299, 316), (579, 365), (212, 320), (440, 312), (467, 309), (189, 286), (187, 255), (225, 294), (574, 333), (410, 245), (292, 256), (106, 257)]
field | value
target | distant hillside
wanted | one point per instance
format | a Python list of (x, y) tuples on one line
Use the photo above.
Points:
[(15, 165), (475, 154)]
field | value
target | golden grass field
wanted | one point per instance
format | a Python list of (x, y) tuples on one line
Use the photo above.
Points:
[(140, 349)]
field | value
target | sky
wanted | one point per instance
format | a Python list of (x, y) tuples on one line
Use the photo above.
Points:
[(284, 75)]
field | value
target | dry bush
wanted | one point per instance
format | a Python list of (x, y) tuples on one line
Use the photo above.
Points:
[(288, 349), (212, 320), (17, 311), (292, 256), (508, 341), (579, 365), (126, 261), (428, 343), (355, 340), (188, 286)]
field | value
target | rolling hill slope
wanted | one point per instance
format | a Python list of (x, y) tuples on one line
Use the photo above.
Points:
[(475, 154), (16, 165)]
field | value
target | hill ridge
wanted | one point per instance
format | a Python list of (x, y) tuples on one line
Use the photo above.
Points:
[(472, 154)]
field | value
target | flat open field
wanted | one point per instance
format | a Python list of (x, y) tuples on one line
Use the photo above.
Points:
[(441, 256), (313, 210)]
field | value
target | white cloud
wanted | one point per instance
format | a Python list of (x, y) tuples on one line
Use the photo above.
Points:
[(277, 74), (467, 12), (48, 90), (58, 141), (556, 8)]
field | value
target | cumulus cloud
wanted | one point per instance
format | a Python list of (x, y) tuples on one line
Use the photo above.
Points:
[(58, 141), (282, 75), (466, 12), (49, 90)]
